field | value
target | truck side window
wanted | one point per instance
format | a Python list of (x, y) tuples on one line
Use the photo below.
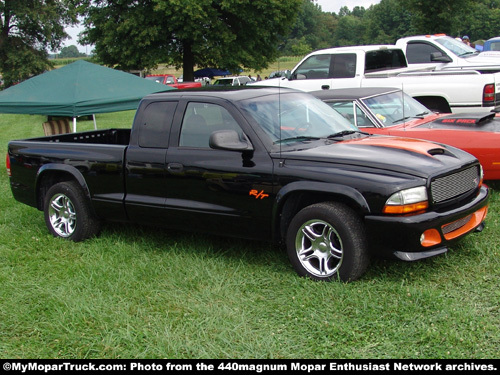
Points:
[(343, 66), (155, 126), (384, 59), (315, 67), (419, 53), (201, 120)]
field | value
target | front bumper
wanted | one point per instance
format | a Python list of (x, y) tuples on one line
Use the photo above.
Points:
[(428, 234)]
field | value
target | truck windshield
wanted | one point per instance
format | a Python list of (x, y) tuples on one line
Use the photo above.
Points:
[(295, 117), (456, 46)]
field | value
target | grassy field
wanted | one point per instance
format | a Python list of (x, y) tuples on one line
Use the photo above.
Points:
[(145, 292)]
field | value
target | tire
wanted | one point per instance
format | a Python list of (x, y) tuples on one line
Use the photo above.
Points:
[(435, 104), (327, 241), (68, 214)]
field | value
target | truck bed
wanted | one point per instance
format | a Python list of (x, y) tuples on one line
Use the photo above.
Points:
[(95, 156)]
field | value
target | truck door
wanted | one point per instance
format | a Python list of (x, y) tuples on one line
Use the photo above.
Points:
[(219, 191), (145, 162)]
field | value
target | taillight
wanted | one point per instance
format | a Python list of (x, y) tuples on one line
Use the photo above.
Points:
[(489, 95), (7, 164)]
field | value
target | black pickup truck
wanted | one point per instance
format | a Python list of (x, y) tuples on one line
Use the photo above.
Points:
[(259, 163)]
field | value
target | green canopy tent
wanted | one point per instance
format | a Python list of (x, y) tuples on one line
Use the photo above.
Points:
[(78, 89)]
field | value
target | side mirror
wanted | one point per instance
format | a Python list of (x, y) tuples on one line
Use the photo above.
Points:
[(228, 140), (440, 57)]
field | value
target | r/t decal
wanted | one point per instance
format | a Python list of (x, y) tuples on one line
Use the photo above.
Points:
[(258, 194)]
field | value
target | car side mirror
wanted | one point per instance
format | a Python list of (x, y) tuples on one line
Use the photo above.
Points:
[(440, 57), (228, 140)]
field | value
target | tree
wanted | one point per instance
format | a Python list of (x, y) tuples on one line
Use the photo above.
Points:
[(313, 29), (388, 21), (70, 52), (227, 34), (27, 29), (431, 17)]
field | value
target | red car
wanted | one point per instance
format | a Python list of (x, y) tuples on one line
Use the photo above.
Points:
[(392, 112)]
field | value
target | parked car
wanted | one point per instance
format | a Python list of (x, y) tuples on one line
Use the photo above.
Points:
[(171, 80), (492, 44), (278, 73), (378, 110), (232, 81)]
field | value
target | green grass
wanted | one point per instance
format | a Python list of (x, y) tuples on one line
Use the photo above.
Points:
[(145, 292)]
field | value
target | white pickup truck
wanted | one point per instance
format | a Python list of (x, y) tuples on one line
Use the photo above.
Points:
[(386, 66), (440, 51)]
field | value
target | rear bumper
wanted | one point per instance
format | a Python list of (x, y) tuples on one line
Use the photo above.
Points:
[(429, 234)]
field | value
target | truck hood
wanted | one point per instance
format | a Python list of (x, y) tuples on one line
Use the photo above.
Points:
[(481, 61), (404, 155)]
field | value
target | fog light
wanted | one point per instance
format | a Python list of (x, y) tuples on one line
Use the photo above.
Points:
[(430, 237)]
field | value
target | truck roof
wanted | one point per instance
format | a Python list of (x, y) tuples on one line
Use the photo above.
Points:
[(372, 47), (227, 92)]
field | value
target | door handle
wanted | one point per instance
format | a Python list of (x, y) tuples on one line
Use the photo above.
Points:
[(325, 87), (175, 167)]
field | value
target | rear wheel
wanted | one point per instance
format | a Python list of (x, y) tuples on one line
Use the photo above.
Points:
[(327, 241), (68, 214)]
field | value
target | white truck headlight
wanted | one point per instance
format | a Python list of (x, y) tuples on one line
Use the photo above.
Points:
[(407, 201)]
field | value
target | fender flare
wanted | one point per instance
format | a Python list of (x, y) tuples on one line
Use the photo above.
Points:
[(346, 191), (64, 169)]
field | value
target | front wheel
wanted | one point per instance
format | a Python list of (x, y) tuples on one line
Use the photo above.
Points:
[(68, 214), (327, 241)]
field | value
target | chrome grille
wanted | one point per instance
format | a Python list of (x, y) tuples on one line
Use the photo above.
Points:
[(454, 185)]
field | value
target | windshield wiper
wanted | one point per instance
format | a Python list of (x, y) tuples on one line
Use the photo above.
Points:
[(343, 133), (420, 115), (468, 53), (298, 138)]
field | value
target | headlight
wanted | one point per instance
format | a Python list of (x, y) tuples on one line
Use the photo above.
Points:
[(407, 201)]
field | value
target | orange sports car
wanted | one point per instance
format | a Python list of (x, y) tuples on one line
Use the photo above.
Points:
[(392, 112)]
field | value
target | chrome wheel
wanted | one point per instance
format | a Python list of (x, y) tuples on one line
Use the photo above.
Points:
[(319, 248), (62, 215), (327, 241)]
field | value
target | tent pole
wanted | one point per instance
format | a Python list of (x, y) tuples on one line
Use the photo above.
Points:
[(74, 124), (95, 125)]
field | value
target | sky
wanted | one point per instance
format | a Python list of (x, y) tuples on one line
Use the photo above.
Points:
[(335, 5), (326, 6)]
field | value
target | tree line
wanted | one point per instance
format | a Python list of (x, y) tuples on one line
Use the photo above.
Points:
[(229, 34)]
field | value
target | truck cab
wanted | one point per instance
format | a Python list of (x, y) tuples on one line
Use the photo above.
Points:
[(442, 52)]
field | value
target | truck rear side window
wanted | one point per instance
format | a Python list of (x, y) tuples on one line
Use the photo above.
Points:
[(155, 126), (384, 59)]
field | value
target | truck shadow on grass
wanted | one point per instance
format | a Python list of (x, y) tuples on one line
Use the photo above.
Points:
[(173, 243), (177, 248)]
